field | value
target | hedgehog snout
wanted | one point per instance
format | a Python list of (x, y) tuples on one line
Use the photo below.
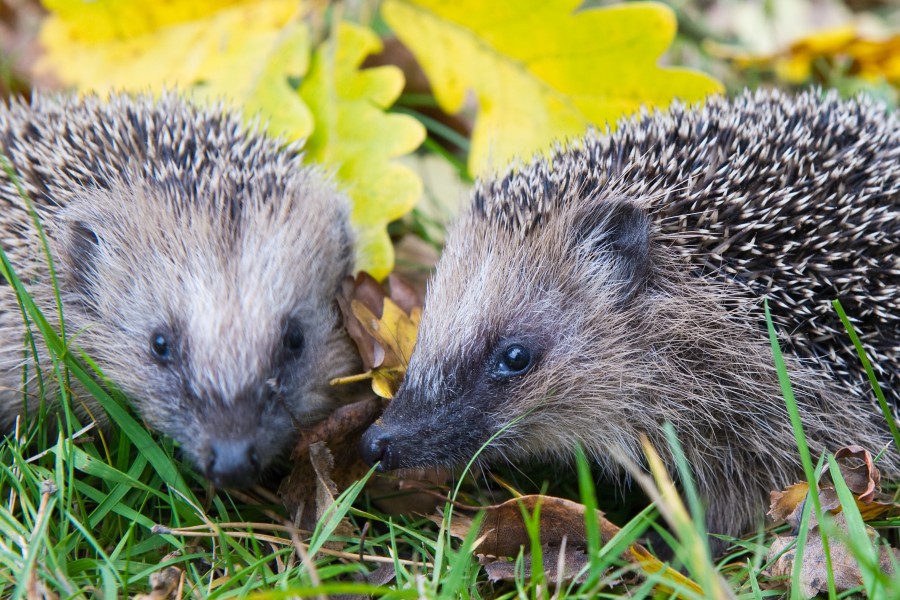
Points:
[(232, 463), (375, 447)]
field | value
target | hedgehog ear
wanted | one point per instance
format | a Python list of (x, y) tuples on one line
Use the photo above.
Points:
[(81, 250), (618, 229)]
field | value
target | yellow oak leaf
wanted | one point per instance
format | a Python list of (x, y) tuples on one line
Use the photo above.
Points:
[(542, 70), (354, 136), (242, 51)]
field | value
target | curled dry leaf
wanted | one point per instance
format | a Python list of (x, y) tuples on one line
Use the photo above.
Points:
[(859, 472), (787, 505), (861, 476), (383, 326), (503, 530), (563, 536)]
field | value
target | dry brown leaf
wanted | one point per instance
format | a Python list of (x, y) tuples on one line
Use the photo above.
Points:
[(859, 472), (562, 533), (316, 475), (327, 490), (861, 476), (365, 289), (560, 566), (788, 505), (164, 585), (383, 326), (814, 571), (503, 529)]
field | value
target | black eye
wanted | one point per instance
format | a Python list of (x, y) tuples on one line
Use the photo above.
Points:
[(293, 338), (514, 360), (160, 346)]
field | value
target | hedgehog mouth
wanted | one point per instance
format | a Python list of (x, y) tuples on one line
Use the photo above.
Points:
[(393, 447)]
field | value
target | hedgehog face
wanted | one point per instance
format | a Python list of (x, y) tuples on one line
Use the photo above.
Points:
[(211, 304), (502, 336)]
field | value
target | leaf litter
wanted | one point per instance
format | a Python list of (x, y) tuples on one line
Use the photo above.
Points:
[(863, 479)]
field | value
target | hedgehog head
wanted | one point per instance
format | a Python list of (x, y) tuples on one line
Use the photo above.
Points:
[(504, 328), (207, 295)]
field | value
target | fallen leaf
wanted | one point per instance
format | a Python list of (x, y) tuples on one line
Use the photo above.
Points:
[(651, 564), (384, 328), (356, 137), (367, 291), (322, 461), (859, 472), (164, 584), (544, 70), (326, 461), (861, 476), (787, 505), (559, 566), (814, 570), (869, 58), (503, 534), (503, 530)]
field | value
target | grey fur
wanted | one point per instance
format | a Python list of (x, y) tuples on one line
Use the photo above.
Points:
[(167, 218), (633, 264)]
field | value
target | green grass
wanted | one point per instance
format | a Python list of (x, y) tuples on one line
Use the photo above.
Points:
[(90, 517)]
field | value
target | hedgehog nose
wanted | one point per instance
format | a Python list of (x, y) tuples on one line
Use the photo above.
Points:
[(375, 448), (232, 463)]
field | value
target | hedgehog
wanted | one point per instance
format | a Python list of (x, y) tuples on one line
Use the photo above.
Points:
[(197, 263), (590, 297)]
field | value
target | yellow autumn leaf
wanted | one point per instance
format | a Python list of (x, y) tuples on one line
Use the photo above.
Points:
[(542, 70), (384, 327), (864, 57), (396, 332), (243, 51), (651, 564), (354, 136)]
